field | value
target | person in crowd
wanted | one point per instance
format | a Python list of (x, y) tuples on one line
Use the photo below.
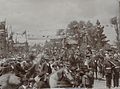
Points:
[(79, 64), (116, 70), (116, 75), (46, 70), (24, 85), (91, 76), (87, 61), (78, 77), (19, 71), (54, 67), (87, 80), (108, 71)]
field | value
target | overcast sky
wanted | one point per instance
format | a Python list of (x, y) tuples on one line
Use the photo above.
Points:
[(41, 17)]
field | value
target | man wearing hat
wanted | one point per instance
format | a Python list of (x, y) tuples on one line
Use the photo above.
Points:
[(108, 71), (46, 70), (116, 70), (24, 85), (87, 61), (54, 67), (116, 76), (40, 81)]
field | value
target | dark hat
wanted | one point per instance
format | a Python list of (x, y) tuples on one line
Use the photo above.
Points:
[(87, 55), (41, 74), (54, 64), (32, 57), (109, 50)]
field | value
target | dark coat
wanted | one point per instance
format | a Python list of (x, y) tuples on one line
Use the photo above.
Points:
[(18, 68), (46, 68), (31, 71)]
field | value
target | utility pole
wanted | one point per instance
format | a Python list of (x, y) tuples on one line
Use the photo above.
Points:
[(119, 21), (118, 28)]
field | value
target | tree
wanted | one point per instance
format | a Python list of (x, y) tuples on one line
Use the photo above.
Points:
[(101, 37), (89, 24), (73, 28), (60, 32), (96, 37), (82, 24), (87, 33), (114, 22), (73, 24)]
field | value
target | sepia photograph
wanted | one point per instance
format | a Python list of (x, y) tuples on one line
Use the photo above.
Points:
[(59, 44)]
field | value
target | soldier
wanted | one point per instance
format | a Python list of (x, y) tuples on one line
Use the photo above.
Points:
[(108, 71), (87, 61), (88, 79), (91, 77), (108, 77), (116, 76), (116, 71)]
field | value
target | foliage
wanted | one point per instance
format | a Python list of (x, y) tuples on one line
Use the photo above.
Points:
[(88, 33), (114, 22), (60, 32), (84, 33)]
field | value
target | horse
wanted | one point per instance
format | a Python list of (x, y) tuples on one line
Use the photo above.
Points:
[(61, 79), (9, 81)]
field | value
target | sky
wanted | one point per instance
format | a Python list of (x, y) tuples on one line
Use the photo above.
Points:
[(45, 17)]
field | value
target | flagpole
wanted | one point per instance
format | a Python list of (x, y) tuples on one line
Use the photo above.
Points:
[(5, 32), (27, 49), (16, 38), (26, 36)]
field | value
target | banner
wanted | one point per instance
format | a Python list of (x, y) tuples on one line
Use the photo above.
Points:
[(2, 25)]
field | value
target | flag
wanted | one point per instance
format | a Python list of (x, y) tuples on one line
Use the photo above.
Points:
[(24, 32), (2, 25)]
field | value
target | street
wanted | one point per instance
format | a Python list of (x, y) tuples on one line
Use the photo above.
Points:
[(98, 84)]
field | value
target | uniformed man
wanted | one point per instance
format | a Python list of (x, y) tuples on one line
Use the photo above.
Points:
[(108, 71), (116, 71), (116, 76)]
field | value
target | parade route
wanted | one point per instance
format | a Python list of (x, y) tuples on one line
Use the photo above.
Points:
[(101, 85), (98, 84)]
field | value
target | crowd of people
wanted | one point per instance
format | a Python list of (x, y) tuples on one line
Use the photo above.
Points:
[(65, 68)]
